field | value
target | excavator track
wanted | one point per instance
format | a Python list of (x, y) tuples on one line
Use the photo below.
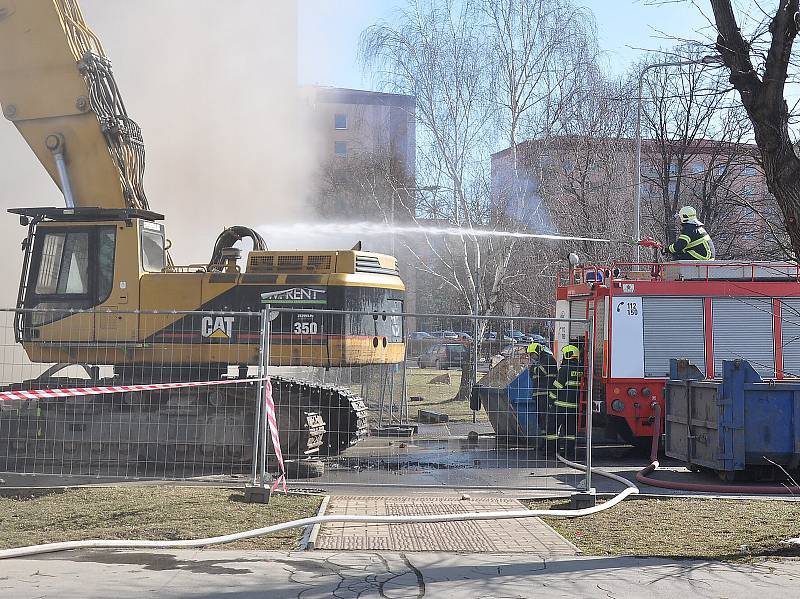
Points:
[(344, 412), (183, 432)]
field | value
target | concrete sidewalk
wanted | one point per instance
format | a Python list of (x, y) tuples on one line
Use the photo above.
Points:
[(318, 575)]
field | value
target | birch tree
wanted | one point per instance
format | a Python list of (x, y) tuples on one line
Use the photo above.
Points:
[(484, 73)]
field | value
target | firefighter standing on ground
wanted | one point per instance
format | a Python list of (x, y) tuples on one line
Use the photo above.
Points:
[(693, 243), (543, 371), (563, 424)]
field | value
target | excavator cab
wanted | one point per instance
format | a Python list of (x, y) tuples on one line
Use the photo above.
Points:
[(80, 259)]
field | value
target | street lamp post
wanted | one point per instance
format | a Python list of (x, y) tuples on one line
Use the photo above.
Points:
[(637, 189)]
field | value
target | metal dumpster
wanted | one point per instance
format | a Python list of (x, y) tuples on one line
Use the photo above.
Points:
[(739, 423), (509, 406)]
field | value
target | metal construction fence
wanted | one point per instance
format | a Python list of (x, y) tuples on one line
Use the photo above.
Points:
[(363, 399)]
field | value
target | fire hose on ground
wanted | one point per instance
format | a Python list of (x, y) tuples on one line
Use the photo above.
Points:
[(643, 475), (630, 489)]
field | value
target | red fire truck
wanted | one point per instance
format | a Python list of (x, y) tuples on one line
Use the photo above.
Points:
[(644, 314)]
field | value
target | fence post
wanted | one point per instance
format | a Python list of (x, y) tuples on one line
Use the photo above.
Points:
[(259, 490), (589, 405), (475, 354), (263, 368)]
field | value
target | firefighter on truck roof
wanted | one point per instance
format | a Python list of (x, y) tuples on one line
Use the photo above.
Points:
[(543, 371), (693, 243), (562, 425)]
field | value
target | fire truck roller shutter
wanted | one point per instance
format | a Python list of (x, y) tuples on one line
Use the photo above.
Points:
[(790, 325), (743, 329), (577, 309), (673, 328)]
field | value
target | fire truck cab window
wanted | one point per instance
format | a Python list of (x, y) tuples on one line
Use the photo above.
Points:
[(153, 253), (64, 265)]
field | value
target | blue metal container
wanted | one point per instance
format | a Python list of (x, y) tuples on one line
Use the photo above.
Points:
[(519, 396), (738, 423), (511, 409)]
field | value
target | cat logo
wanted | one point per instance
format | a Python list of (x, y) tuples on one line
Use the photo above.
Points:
[(217, 327)]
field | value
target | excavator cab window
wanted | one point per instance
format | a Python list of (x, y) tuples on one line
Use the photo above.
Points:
[(153, 252), (64, 264), (70, 269)]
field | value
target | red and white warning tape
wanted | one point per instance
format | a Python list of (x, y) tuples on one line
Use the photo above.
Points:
[(269, 404), (78, 391), (269, 410)]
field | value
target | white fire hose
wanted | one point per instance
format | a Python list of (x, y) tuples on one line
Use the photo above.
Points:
[(630, 489)]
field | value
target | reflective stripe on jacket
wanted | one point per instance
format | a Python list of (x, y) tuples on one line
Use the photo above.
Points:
[(543, 374), (694, 243), (566, 387)]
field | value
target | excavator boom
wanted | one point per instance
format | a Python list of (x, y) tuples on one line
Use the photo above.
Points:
[(57, 87)]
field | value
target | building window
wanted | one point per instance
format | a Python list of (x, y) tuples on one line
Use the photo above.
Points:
[(749, 171), (698, 168), (340, 121), (673, 168), (748, 191), (722, 169), (673, 187), (340, 148)]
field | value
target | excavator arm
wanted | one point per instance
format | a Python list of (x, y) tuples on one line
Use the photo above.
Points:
[(57, 87)]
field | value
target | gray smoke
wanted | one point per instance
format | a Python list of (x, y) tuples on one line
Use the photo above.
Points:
[(213, 86)]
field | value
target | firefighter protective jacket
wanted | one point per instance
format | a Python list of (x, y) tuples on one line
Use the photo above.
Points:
[(566, 387), (694, 243), (543, 375)]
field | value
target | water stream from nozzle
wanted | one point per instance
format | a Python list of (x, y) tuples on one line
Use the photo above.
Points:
[(367, 229)]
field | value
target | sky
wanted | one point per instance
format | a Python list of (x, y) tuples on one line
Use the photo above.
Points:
[(329, 32)]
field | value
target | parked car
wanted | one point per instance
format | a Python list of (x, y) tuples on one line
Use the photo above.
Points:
[(535, 337), (495, 336), (520, 337), (443, 356), (417, 335), (514, 349), (444, 334), (418, 342)]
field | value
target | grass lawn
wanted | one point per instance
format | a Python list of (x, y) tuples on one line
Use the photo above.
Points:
[(689, 528), (147, 512), (438, 397)]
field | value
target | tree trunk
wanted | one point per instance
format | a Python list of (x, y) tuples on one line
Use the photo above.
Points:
[(467, 376), (763, 99)]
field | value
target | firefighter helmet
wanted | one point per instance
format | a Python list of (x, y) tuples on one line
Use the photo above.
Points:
[(570, 352), (536, 348), (687, 214)]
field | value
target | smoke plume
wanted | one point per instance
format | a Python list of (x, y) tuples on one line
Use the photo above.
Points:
[(213, 86)]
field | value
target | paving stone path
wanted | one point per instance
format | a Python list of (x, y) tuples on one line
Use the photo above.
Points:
[(523, 535)]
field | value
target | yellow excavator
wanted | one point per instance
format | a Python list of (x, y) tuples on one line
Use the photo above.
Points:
[(97, 283)]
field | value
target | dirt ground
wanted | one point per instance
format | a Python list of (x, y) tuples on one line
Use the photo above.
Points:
[(684, 528), (147, 512)]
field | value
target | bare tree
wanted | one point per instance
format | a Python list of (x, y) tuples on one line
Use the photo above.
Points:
[(581, 174), (696, 153), (759, 64), (364, 183), (484, 72)]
